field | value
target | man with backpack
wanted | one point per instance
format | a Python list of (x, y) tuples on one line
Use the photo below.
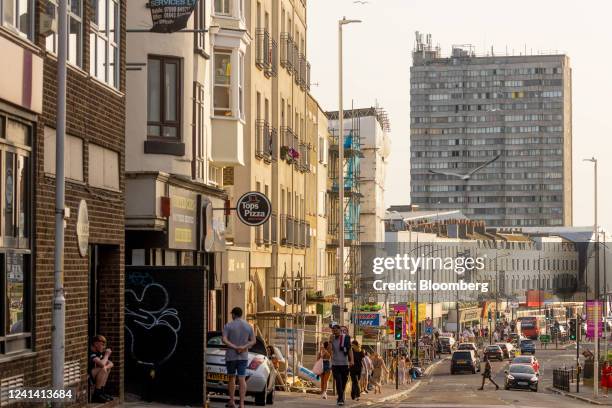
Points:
[(339, 347)]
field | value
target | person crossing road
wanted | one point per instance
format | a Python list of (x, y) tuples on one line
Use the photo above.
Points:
[(487, 375)]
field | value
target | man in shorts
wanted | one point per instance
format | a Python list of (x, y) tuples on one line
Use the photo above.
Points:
[(238, 336), (99, 367)]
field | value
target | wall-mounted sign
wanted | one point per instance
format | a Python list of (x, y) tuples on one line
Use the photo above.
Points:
[(253, 208), (82, 228), (367, 319), (170, 16), (182, 222)]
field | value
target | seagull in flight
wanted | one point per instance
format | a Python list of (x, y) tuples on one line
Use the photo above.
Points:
[(467, 176)]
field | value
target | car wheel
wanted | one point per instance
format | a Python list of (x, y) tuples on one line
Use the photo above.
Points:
[(260, 398), (270, 397), (535, 389)]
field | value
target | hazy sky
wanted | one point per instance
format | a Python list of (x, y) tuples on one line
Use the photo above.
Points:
[(377, 59)]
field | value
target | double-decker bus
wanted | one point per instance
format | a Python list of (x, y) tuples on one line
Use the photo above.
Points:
[(529, 326)]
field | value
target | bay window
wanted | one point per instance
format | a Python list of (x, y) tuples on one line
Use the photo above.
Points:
[(222, 92), (223, 7), (228, 94), (104, 41), (17, 15), (15, 214), (75, 32), (163, 97)]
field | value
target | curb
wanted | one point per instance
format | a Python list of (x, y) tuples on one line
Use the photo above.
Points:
[(401, 394), (578, 397)]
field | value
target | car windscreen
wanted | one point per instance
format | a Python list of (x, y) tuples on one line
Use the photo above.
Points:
[(493, 348), (521, 369), (466, 347), (527, 343), (462, 355), (522, 360), (502, 346)]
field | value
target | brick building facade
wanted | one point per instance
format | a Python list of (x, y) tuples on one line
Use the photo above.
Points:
[(94, 284)]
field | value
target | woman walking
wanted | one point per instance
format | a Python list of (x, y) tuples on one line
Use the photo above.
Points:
[(379, 369), (402, 370), (366, 371), (324, 355)]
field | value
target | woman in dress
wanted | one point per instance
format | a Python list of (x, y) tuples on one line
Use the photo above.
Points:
[(366, 370), (402, 371), (606, 377), (324, 355), (378, 370)]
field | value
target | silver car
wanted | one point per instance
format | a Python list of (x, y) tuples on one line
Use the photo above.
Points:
[(260, 377)]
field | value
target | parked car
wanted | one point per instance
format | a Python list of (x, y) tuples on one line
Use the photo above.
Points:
[(465, 360), (527, 346), (260, 376), (447, 344), (508, 350), (494, 352), (529, 360), (521, 376)]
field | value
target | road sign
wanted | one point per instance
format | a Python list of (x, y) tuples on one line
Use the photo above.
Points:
[(514, 305), (428, 330), (253, 208), (544, 338)]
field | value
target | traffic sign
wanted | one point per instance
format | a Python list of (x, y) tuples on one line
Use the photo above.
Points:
[(544, 338), (428, 330)]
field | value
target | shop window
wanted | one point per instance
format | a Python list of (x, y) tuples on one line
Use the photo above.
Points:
[(104, 41), (15, 186), (103, 167), (163, 97)]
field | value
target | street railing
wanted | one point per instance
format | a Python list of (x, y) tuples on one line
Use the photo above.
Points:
[(561, 378)]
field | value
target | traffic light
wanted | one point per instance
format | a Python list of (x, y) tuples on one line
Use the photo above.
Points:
[(490, 315), (572, 330), (398, 327), (497, 315), (547, 313)]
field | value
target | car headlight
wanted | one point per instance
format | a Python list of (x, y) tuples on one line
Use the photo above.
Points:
[(510, 377), (534, 379)]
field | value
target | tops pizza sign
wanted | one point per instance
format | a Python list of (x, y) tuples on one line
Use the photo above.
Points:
[(253, 208), (170, 16)]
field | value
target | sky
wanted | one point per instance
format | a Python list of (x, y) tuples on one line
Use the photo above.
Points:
[(377, 60)]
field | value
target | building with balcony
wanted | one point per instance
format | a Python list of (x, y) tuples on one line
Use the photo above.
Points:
[(468, 110), (94, 183), (180, 132)]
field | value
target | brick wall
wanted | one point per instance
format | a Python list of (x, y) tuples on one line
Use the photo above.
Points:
[(95, 113)]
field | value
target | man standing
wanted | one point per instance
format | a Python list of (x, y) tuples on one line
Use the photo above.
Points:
[(342, 358), (487, 374), (238, 336)]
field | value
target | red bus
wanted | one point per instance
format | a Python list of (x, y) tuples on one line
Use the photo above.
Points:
[(529, 326)]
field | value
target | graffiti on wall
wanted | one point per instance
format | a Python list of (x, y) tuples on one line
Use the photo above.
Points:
[(152, 327)]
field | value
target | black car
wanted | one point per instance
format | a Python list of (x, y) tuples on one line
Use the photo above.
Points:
[(464, 360), (521, 376), (494, 352)]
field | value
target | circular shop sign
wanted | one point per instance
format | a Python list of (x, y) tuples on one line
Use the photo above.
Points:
[(82, 228), (253, 208)]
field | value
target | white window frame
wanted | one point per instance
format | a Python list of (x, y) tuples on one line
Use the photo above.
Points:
[(52, 46), (110, 37), (225, 13), (229, 86), (240, 86), (14, 24)]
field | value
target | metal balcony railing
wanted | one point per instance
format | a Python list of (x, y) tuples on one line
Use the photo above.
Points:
[(272, 70), (263, 44), (286, 52), (290, 231), (302, 73), (264, 142), (296, 233), (296, 62), (266, 231), (274, 232)]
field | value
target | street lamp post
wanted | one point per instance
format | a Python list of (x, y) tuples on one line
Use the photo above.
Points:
[(342, 22), (596, 286)]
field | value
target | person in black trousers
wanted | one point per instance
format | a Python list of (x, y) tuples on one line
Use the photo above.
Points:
[(355, 370), (339, 347), (487, 374)]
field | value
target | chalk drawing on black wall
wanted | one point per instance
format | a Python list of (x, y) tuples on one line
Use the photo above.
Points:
[(151, 326)]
